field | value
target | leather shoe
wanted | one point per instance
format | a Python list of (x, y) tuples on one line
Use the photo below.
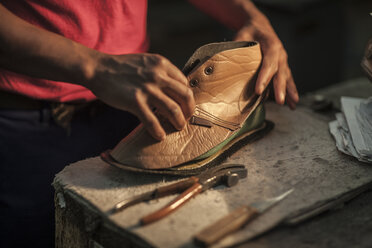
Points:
[(222, 77)]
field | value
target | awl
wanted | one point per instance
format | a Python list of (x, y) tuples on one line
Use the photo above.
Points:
[(235, 220)]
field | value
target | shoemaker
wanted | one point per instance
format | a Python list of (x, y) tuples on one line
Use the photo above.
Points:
[(58, 57)]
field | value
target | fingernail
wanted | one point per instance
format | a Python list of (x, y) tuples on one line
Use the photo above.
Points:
[(180, 127), (260, 89), (160, 136), (297, 97), (180, 124), (281, 97), (183, 126)]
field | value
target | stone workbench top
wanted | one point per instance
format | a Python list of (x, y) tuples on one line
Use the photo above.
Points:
[(299, 153)]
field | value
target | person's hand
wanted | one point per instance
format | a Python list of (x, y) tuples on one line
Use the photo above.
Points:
[(274, 63), (138, 83)]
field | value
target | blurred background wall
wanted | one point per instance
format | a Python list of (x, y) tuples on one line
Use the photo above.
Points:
[(325, 39)]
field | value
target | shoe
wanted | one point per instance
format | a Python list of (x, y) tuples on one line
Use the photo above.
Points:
[(222, 77)]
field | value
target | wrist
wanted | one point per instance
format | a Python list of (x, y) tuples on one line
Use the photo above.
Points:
[(252, 15), (90, 67)]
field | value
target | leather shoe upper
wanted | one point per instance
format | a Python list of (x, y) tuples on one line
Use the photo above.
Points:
[(222, 78)]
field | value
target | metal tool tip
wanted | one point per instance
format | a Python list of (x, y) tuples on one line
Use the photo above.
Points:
[(265, 204), (284, 194)]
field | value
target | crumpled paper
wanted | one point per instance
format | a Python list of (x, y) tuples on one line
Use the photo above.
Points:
[(352, 129)]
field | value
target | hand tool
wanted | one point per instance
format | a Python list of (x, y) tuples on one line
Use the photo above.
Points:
[(235, 220), (229, 174)]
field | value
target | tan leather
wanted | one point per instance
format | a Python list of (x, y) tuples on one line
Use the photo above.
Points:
[(223, 84)]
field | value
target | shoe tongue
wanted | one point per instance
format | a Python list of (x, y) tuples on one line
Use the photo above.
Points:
[(205, 52)]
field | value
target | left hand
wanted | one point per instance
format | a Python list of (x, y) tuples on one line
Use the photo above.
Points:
[(274, 63)]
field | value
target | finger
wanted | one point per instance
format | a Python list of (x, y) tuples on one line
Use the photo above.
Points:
[(268, 69), (167, 107), (279, 82), (292, 89), (182, 94), (148, 119), (291, 103), (176, 74), (245, 34)]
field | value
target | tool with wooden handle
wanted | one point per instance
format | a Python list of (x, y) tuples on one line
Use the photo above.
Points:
[(173, 205), (235, 220), (173, 188), (229, 175)]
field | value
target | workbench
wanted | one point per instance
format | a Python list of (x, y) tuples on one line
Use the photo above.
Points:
[(299, 153)]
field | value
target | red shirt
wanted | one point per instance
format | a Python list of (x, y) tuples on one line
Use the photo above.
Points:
[(115, 27)]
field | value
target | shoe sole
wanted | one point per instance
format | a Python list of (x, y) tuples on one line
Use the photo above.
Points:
[(196, 167)]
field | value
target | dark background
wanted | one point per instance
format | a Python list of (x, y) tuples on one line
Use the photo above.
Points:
[(325, 39)]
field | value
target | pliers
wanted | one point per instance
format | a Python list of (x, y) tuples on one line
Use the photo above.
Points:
[(228, 174)]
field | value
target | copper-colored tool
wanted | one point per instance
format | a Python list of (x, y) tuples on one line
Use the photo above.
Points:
[(228, 174), (235, 220)]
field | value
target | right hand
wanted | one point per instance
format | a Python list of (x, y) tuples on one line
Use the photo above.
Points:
[(140, 82)]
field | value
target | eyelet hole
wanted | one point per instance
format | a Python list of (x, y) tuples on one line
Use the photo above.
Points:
[(194, 82), (208, 70)]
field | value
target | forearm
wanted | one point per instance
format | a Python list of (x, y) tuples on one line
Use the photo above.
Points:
[(232, 13), (133, 82), (29, 50)]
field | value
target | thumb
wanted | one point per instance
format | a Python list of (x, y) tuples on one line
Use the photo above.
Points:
[(244, 34)]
